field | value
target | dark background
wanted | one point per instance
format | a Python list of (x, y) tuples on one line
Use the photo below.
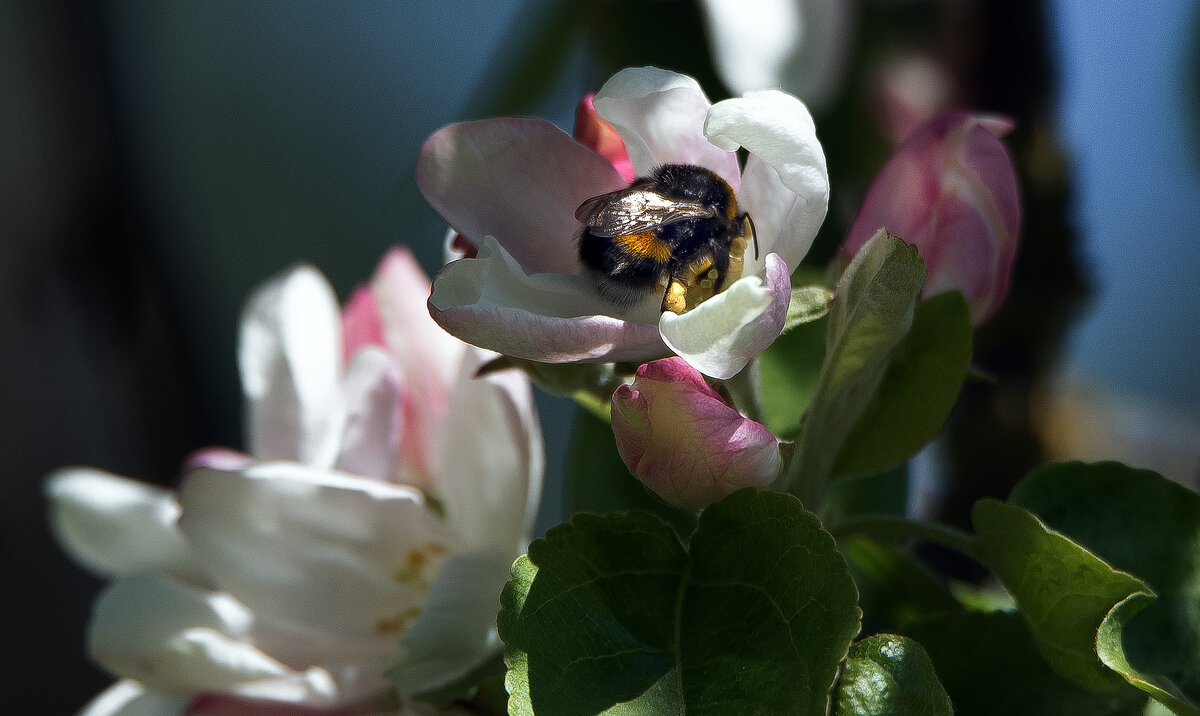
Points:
[(158, 160)]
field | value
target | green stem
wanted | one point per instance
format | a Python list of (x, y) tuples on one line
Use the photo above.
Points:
[(955, 539), (746, 390)]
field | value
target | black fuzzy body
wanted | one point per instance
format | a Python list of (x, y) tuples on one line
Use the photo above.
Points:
[(624, 276)]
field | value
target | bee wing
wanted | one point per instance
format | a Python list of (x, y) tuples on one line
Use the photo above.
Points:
[(634, 210)]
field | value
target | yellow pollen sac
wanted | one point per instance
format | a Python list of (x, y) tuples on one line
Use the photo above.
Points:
[(646, 245)]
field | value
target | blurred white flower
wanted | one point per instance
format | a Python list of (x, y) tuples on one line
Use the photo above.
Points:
[(388, 492), (798, 46)]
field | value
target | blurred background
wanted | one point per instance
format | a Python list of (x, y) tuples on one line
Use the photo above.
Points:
[(158, 160)]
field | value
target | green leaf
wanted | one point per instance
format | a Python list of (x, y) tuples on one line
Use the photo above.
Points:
[(1138, 521), (1064, 591), (788, 371), (611, 611), (598, 480), (873, 311), (889, 675), (990, 667), (807, 304), (894, 587), (918, 389)]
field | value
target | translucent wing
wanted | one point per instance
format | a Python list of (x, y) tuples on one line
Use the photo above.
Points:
[(634, 210)]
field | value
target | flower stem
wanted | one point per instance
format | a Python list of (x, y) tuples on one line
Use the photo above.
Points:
[(950, 537)]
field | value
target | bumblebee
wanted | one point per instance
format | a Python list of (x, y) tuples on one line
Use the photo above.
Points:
[(677, 233)]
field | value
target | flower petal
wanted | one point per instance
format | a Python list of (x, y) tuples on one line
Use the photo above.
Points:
[(374, 389), (428, 358), (114, 525), (490, 459), (290, 358), (456, 631), (660, 114), (721, 335), (798, 45), (178, 640), (519, 179), (129, 698), (951, 189), (599, 136), (310, 550), (778, 131), (678, 436), (490, 302)]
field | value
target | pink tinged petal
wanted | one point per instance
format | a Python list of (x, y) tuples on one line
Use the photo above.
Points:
[(490, 302), (786, 188), (129, 698), (374, 416), (114, 525), (362, 325), (428, 357), (489, 466), (599, 136), (217, 458), (951, 189), (290, 358), (518, 179), (456, 631), (683, 442), (321, 551), (178, 640), (660, 116), (722, 335)]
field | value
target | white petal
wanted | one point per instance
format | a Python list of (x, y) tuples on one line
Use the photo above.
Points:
[(721, 335), (778, 131), (488, 473), (457, 629), (796, 45), (114, 525), (490, 302), (374, 416), (129, 698), (179, 640), (323, 551), (660, 116), (290, 358)]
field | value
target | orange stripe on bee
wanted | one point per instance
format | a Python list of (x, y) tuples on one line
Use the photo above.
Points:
[(647, 245)]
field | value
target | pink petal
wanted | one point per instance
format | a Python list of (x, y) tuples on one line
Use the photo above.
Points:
[(518, 179), (599, 136), (361, 324), (678, 437), (951, 189), (660, 116), (374, 416)]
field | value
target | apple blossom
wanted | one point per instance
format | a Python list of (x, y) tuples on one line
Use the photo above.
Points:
[(951, 190), (369, 533), (511, 186), (683, 441)]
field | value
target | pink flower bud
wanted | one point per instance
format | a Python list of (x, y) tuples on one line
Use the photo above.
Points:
[(682, 441), (951, 190), (599, 136)]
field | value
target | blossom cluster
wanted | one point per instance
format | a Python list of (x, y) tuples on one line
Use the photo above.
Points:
[(351, 558)]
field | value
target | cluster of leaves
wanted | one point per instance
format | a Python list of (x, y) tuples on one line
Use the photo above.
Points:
[(759, 605)]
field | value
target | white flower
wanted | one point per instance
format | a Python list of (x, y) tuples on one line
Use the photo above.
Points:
[(388, 494), (512, 186)]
